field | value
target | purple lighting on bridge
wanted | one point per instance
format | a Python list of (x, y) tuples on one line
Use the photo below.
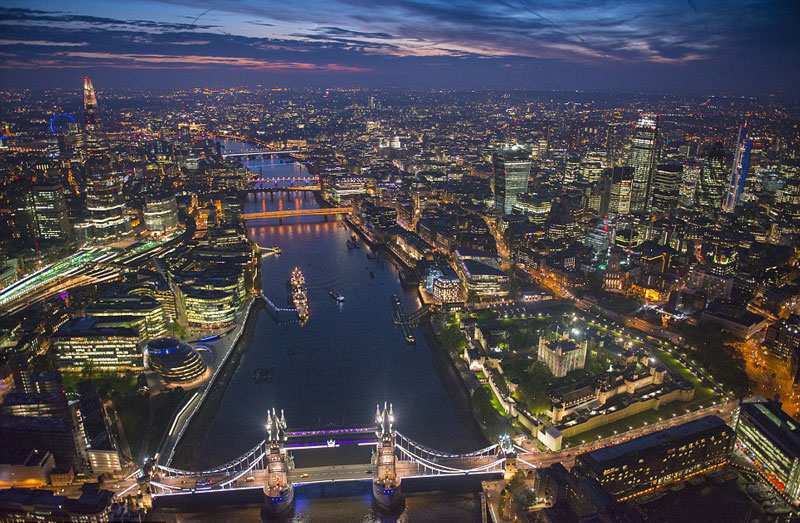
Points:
[(321, 444), (327, 432)]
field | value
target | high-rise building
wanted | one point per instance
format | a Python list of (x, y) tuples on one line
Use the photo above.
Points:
[(161, 214), (644, 154), (771, 439), (90, 107), (666, 187), (741, 161), (512, 168), (50, 217), (105, 203), (619, 186), (711, 185)]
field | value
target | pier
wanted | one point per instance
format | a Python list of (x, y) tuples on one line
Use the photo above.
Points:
[(279, 314), (401, 320)]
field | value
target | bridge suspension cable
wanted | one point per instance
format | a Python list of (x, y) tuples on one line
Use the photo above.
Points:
[(432, 452), (231, 465), (444, 469)]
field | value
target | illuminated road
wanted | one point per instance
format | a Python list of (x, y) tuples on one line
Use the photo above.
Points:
[(351, 472)]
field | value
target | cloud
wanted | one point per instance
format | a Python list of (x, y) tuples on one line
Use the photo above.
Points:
[(43, 43), (194, 61), (477, 41)]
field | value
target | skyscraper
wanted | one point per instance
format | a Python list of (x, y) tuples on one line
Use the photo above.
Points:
[(711, 185), (105, 202), (161, 214), (666, 187), (741, 161), (90, 107), (644, 153), (620, 181), (50, 217), (512, 168)]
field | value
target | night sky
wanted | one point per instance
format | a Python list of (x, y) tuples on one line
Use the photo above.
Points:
[(700, 46)]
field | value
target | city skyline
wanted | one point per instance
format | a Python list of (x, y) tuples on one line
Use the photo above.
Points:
[(700, 47), (546, 243)]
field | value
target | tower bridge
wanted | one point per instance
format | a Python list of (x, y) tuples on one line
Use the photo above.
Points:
[(269, 465)]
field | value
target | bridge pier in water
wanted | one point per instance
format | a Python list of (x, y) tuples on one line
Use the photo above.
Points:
[(386, 482), (278, 489)]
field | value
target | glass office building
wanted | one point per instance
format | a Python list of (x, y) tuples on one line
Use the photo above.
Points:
[(771, 439), (512, 168)]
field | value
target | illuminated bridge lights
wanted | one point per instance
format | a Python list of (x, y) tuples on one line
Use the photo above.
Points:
[(325, 211)]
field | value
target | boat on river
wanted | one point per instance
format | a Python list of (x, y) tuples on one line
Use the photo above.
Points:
[(336, 296), (299, 294)]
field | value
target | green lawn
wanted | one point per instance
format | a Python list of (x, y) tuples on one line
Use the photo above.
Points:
[(701, 390), (495, 402), (638, 420)]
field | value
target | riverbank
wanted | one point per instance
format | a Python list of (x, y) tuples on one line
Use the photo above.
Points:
[(459, 383), (455, 383), (185, 454)]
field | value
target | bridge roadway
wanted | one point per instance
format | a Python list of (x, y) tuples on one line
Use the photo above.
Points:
[(272, 188), (322, 211), (309, 475), (526, 458), (265, 152)]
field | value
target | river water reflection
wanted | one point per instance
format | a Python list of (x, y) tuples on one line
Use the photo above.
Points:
[(348, 357)]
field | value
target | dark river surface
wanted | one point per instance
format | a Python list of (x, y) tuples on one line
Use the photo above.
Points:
[(347, 358)]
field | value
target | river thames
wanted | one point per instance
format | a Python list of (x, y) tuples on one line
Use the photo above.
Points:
[(348, 357)]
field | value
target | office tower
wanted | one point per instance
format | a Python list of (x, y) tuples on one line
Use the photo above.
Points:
[(512, 167), (771, 438), (572, 169), (620, 190), (90, 107), (161, 214), (711, 185), (644, 153), (50, 216), (105, 203), (666, 187), (741, 161)]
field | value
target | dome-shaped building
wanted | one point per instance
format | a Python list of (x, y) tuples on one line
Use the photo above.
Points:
[(174, 360)]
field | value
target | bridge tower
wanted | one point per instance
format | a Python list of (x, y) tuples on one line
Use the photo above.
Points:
[(508, 452), (386, 483), (145, 489), (278, 490)]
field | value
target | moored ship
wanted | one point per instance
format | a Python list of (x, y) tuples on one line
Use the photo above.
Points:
[(299, 294)]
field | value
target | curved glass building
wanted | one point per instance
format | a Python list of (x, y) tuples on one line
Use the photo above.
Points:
[(174, 360)]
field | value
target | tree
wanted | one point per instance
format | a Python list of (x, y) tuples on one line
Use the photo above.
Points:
[(453, 339), (88, 369)]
